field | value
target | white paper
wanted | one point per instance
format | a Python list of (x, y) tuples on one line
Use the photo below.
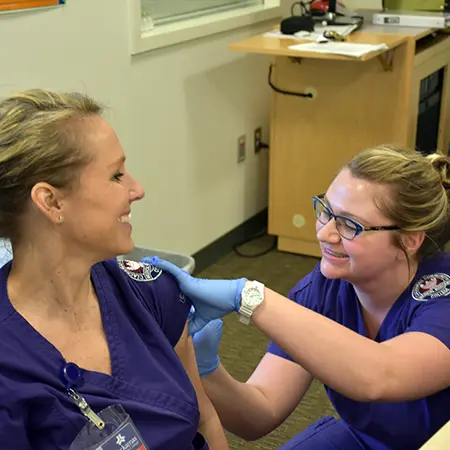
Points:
[(278, 34), (343, 30), (316, 35), (339, 48)]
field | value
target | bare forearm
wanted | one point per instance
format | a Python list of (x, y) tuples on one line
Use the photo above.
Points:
[(209, 426), (326, 349), (243, 409), (213, 432)]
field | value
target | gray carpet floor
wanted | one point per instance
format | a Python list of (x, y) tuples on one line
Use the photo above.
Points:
[(243, 346)]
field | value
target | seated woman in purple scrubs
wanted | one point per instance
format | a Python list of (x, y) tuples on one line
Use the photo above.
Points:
[(94, 352)]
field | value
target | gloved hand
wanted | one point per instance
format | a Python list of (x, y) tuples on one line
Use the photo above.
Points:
[(206, 345), (212, 299)]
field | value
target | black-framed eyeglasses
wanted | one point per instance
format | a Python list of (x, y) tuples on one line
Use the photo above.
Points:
[(348, 228)]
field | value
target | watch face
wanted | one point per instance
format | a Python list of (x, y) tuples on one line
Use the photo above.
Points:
[(253, 297)]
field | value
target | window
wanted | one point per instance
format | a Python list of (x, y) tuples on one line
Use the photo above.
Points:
[(164, 11), (160, 23)]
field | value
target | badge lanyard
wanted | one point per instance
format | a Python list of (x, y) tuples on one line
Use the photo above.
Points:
[(106, 430), (73, 378)]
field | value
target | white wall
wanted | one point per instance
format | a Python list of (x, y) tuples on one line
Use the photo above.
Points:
[(363, 4), (178, 112), (351, 4)]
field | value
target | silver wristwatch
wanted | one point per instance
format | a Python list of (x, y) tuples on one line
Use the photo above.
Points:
[(252, 295)]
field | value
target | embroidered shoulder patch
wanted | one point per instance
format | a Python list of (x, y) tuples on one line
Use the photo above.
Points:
[(431, 286), (139, 271)]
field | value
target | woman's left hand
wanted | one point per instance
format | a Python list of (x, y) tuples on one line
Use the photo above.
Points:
[(212, 299), (206, 346)]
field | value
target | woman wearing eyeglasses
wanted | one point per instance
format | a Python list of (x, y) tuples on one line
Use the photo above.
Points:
[(371, 321)]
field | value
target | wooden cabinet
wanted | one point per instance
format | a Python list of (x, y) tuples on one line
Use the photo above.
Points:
[(358, 103)]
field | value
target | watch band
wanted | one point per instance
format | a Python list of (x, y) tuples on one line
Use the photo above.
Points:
[(251, 297), (245, 314)]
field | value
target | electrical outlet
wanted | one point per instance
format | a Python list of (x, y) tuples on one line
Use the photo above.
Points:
[(241, 148), (257, 139)]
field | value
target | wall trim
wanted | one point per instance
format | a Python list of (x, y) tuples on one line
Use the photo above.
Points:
[(210, 254)]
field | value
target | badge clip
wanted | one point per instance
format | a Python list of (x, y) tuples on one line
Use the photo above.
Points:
[(86, 409), (72, 377)]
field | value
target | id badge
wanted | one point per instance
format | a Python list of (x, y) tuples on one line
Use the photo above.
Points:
[(118, 433)]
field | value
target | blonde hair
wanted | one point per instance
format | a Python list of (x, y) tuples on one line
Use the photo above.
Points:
[(39, 141), (419, 186)]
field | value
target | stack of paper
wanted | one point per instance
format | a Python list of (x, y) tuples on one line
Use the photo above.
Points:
[(317, 34), (343, 30), (278, 34), (339, 48)]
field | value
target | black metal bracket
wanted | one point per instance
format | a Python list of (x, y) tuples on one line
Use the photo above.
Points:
[(295, 59), (386, 59)]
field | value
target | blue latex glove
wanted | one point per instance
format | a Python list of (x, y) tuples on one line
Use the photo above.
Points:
[(212, 299), (206, 345)]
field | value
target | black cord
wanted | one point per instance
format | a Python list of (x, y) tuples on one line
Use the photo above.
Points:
[(307, 6), (272, 246), (304, 7), (281, 91)]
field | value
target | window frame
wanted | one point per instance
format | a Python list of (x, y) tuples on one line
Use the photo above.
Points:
[(189, 29)]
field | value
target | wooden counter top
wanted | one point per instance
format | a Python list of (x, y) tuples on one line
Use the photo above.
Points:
[(369, 34)]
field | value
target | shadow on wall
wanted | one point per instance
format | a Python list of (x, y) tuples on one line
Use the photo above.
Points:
[(238, 102)]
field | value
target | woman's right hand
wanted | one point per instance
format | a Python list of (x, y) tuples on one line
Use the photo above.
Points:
[(206, 345)]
